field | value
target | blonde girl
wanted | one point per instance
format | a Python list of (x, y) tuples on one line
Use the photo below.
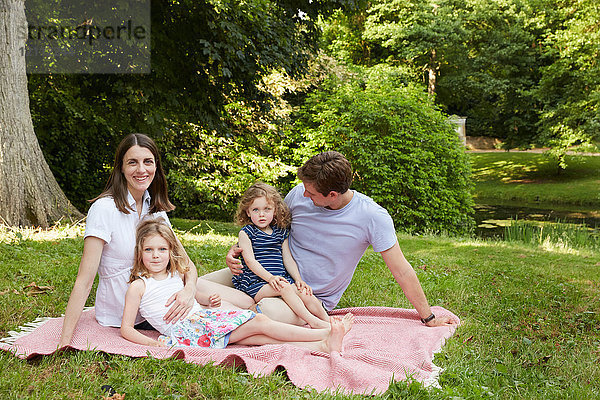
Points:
[(269, 270), (156, 275)]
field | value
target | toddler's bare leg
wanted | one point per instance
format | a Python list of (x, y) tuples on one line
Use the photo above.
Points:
[(291, 296), (315, 306)]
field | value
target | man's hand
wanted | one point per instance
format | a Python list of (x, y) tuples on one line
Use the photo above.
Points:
[(181, 303), (441, 321), (233, 259)]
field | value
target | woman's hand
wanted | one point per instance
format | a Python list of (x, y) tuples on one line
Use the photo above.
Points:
[(181, 303), (303, 287), (63, 343), (233, 259)]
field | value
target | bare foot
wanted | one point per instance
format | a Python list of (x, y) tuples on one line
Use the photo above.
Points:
[(348, 322), (336, 335)]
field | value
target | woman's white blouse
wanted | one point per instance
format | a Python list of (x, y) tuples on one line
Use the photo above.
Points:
[(117, 230)]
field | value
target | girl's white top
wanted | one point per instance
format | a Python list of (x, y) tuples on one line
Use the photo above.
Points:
[(156, 294), (117, 230)]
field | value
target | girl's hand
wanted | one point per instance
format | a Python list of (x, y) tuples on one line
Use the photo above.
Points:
[(277, 282), (303, 287), (214, 300)]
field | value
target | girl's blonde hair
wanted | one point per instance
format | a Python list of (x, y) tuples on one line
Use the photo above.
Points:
[(152, 227), (282, 216)]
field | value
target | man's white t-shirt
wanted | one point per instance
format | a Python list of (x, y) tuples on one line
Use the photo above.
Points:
[(328, 244)]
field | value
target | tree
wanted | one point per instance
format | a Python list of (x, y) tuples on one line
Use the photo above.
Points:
[(421, 34), (29, 194), (404, 153), (570, 87), (209, 58), (492, 84)]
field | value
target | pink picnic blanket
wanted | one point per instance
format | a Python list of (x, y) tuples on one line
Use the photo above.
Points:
[(385, 344)]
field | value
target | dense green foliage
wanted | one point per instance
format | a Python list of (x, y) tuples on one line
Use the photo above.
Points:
[(206, 55), (528, 328), (570, 87), (525, 71), (208, 173), (229, 80), (405, 154)]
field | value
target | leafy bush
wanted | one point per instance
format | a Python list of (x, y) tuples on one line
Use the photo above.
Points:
[(207, 173), (405, 154), (78, 131)]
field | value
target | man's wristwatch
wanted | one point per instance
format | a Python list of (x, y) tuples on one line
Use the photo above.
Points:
[(430, 318)]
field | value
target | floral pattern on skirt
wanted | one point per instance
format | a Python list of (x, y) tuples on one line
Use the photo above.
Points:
[(206, 328)]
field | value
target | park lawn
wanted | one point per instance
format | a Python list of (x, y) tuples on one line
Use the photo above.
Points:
[(532, 179), (529, 321)]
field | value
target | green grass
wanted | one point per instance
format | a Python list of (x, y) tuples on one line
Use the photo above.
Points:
[(532, 178), (530, 317), (553, 234)]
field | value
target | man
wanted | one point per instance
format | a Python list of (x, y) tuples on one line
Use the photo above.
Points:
[(332, 226)]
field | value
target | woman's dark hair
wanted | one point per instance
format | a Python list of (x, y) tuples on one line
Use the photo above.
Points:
[(116, 187)]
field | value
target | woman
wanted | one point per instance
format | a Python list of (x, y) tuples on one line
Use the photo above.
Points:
[(137, 187)]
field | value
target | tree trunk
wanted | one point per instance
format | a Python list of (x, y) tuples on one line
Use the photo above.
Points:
[(432, 73), (29, 193)]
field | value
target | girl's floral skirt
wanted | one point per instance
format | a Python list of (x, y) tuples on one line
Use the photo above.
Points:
[(206, 328)]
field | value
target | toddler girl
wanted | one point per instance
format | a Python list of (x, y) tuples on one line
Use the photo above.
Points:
[(156, 276), (269, 270)]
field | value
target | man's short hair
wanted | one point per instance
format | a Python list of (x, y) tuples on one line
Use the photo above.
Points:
[(327, 171)]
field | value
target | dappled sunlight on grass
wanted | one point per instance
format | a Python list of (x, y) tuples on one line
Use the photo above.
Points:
[(214, 239), (530, 168), (10, 234), (202, 226), (506, 167), (534, 179)]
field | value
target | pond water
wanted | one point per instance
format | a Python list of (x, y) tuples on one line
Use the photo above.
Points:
[(491, 219)]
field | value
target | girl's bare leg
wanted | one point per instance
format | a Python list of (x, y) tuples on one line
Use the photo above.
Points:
[(228, 294), (314, 305), (262, 330), (259, 340), (291, 296)]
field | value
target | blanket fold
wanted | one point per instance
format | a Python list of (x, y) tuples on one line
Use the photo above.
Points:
[(385, 344)]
